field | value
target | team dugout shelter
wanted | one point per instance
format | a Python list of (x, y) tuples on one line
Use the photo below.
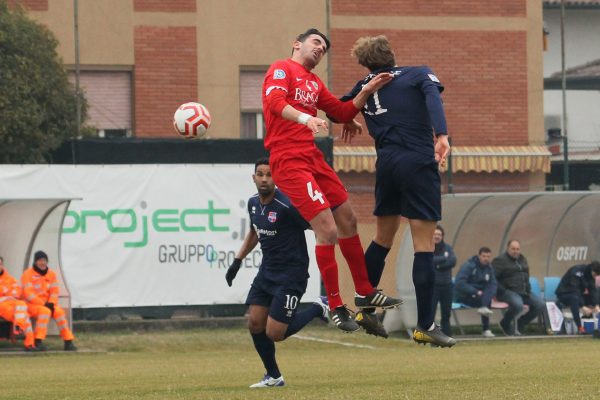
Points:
[(556, 230), (28, 225)]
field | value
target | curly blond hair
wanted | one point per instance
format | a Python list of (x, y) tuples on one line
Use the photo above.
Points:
[(374, 52)]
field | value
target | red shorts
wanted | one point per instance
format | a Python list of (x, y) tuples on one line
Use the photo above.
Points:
[(310, 183)]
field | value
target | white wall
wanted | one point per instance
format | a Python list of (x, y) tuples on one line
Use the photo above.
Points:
[(582, 38), (583, 116), (582, 45)]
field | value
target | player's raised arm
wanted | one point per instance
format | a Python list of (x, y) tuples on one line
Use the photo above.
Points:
[(379, 81), (313, 123), (431, 88), (345, 111)]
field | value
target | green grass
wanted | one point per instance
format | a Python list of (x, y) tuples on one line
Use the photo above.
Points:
[(221, 363)]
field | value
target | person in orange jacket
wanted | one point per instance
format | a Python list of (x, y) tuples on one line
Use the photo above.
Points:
[(40, 291), (14, 310)]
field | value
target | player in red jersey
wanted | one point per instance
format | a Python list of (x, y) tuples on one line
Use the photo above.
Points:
[(292, 94)]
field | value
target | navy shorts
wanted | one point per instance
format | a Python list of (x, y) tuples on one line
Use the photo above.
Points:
[(407, 183), (282, 299)]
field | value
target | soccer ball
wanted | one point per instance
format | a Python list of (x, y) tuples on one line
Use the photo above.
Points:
[(191, 120)]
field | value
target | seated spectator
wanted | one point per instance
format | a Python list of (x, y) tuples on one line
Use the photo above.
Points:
[(40, 291), (512, 276), (14, 310), (443, 262), (475, 285), (577, 290)]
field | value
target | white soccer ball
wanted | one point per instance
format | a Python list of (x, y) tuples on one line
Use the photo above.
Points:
[(191, 120)]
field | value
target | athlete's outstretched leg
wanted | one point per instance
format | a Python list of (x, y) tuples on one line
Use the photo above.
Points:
[(318, 309), (351, 247), (424, 279), (265, 347), (387, 226), (325, 230)]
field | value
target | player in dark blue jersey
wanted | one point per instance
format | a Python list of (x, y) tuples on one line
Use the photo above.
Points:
[(406, 119), (282, 276)]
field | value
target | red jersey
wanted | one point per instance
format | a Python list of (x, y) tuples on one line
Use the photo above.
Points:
[(288, 82)]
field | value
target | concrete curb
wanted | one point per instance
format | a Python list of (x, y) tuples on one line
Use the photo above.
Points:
[(158, 324)]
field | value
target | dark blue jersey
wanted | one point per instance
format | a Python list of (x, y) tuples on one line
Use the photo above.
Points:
[(280, 230), (406, 111)]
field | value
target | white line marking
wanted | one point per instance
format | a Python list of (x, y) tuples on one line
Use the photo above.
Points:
[(314, 339)]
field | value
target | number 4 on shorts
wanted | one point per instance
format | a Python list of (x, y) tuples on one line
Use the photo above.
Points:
[(314, 194)]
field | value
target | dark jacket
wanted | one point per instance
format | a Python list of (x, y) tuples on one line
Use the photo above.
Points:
[(578, 280), (472, 277), (512, 274), (443, 262)]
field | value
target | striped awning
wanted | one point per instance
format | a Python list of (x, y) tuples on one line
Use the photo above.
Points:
[(464, 158), (501, 158), (354, 158)]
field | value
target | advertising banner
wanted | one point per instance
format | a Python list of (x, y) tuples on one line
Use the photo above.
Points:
[(151, 235)]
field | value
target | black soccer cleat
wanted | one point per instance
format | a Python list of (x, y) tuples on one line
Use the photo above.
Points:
[(341, 317), (39, 345), (69, 346), (370, 323), (435, 337), (507, 330), (376, 299)]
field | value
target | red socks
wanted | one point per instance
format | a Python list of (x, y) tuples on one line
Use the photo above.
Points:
[(355, 256), (325, 254)]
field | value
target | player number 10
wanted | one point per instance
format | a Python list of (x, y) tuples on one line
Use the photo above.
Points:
[(291, 302)]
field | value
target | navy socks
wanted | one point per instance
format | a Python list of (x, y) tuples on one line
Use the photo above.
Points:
[(302, 318), (265, 347), (375, 259), (266, 350), (423, 279)]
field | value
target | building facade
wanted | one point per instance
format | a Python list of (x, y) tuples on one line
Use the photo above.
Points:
[(140, 59), (581, 25)]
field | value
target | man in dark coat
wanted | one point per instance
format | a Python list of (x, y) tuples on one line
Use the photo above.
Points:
[(512, 274), (577, 290), (444, 260), (475, 286)]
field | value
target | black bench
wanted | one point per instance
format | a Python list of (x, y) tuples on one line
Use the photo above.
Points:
[(5, 329)]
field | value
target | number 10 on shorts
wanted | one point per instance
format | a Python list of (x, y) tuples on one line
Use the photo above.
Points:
[(291, 302), (314, 194)]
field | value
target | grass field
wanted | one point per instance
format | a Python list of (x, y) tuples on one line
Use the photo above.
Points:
[(221, 363)]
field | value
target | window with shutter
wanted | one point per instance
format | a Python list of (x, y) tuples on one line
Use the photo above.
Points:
[(251, 116), (108, 94)]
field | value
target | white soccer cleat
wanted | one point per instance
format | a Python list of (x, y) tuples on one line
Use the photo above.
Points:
[(268, 381), (488, 334), (486, 312), (322, 302)]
